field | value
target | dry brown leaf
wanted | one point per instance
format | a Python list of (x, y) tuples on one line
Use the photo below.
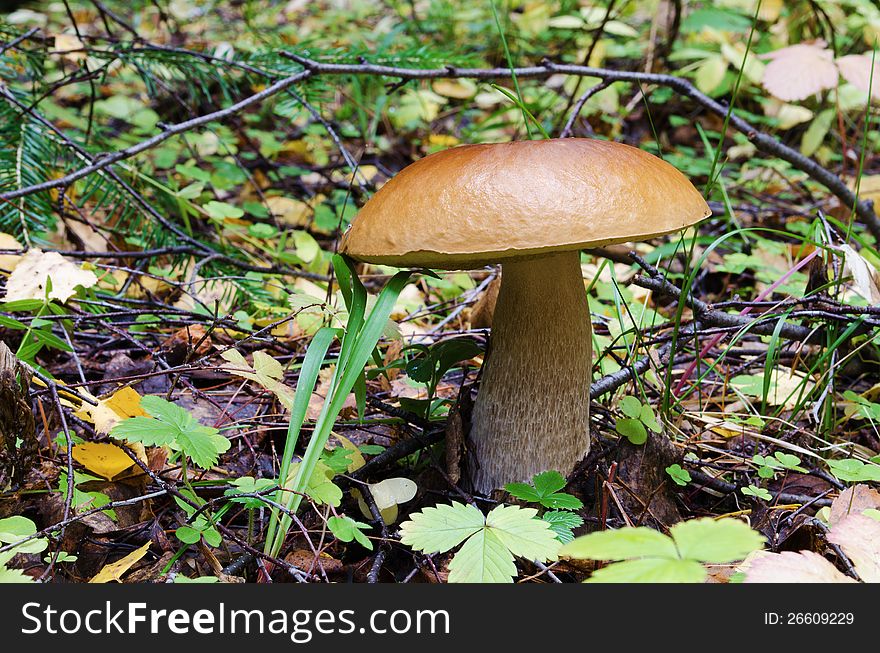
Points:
[(799, 71), (859, 537), (856, 69), (852, 501), (29, 278), (115, 570)]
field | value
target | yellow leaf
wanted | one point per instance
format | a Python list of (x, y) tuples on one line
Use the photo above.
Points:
[(460, 89), (30, 277), (9, 261), (115, 570), (356, 457), (108, 412), (266, 371), (69, 47), (289, 211), (102, 458)]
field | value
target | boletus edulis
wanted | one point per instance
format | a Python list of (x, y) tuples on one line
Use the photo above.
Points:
[(530, 206)]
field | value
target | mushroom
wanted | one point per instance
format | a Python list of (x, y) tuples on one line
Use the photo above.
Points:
[(530, 206)]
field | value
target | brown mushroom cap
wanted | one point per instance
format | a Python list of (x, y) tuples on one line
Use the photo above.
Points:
[(474, 205)]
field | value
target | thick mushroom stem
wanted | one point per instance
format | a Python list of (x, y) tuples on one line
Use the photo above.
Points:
[(533, 409)]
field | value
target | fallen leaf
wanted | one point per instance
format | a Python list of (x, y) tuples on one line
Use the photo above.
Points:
[(799, 71), (460, 89), (9, 261), (791, 567), (289, 211), (859, 537), (29, 278), (102, 458), (69, 47), (115, 570), (856, 69), (853, 501), (864, 276), (266, 371), (122, 404)]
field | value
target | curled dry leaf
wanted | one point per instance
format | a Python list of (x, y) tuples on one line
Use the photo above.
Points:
[(29, 278), (857, 70), (799, 71)]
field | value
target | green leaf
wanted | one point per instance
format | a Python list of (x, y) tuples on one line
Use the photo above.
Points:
[(9, 576), (547, 483), (621, 544), (15, 528), (717, 541), (631, 407), (203, 444), (632, 429), (525, 536), (562, 522), (648, 418), (854, 471), (222, 210), (789, 461), (249, 485), (483, 559), (490, 542), (347, 529), (188, 534), (146, 430), (441, 528), (679, 475), (650, 570), (544, 491), (524, 491), (212, 537)]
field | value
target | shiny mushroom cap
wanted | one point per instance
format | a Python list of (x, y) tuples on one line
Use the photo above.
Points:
[(475, 205)]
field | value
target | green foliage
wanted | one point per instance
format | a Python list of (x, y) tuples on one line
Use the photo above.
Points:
[(82, 499), (12, 530), (490, 542), (563, 523), (651, 557), (171, 426), (639, 418), (249, 485), (768, 465), (432, 363), (198, 525), (680, 476), (347, 529), (854, 471), (544, 490), (757, 492), (362, 333)]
